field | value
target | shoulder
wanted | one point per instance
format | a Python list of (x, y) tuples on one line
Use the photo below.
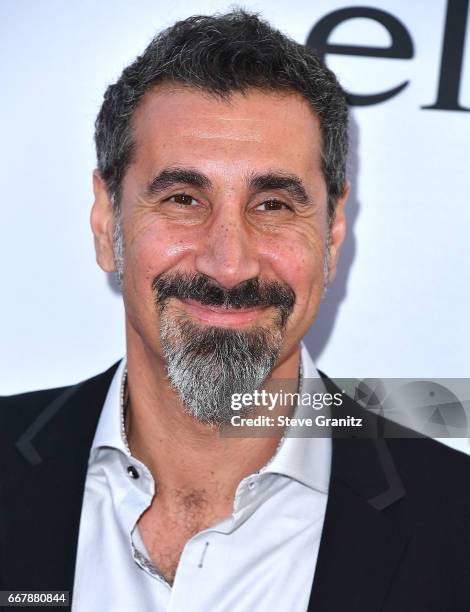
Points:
[(17, 412), (431, 466), (434, 476)]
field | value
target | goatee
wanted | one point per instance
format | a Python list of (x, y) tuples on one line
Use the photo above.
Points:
[(206, 365)]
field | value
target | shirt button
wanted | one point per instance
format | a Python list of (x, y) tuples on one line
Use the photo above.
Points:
[(251, 485), (133, 473)]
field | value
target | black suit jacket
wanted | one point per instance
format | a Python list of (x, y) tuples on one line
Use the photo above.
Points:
[(396, 536)]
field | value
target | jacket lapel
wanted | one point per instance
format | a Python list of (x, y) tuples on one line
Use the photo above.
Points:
[(43, 491), (361, 546)]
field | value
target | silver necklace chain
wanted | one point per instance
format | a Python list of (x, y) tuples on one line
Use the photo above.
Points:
[(124, 409)]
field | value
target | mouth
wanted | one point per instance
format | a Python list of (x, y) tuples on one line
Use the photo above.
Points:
[(222, 316)]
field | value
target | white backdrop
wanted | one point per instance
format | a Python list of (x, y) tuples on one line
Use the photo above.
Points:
[(400, 305)]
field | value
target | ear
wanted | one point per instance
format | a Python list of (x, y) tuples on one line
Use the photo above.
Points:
[(102, 224), (337, 233)]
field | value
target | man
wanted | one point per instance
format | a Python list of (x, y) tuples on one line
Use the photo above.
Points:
[(219, 202)]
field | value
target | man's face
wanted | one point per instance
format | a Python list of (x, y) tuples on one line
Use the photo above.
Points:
[(228, 192)]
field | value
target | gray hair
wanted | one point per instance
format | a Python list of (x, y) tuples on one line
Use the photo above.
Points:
[(222, 54)]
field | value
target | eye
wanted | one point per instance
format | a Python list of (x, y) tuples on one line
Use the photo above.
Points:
[(272, 205), (183, 198)]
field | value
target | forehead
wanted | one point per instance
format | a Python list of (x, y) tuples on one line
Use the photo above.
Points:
[(183, 125)]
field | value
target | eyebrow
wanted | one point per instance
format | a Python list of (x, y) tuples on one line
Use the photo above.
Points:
[(172, 176), (290, 183)]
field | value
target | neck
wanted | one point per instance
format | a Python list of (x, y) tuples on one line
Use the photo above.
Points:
[(182, 453)]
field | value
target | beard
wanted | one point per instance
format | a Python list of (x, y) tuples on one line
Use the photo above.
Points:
[(206, 365)]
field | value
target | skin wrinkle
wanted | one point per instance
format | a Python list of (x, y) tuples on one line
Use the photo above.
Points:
[(232, 129), (232, 136)]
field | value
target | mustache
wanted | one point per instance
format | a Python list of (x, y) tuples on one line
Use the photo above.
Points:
[(204, 289)]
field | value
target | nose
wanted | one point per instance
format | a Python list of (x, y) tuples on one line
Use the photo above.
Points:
[(228, 250)]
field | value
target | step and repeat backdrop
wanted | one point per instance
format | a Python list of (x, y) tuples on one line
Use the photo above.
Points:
[(401, 301)]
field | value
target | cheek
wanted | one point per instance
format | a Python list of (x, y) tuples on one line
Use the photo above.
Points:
[(153, 251), (298, 260)]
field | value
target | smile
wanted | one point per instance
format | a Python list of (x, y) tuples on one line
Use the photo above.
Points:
[(222, 316)]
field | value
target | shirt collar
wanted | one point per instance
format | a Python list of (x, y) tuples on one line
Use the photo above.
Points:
[(305, 459)]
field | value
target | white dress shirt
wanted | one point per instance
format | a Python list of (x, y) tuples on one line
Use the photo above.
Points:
[(260, 559)]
